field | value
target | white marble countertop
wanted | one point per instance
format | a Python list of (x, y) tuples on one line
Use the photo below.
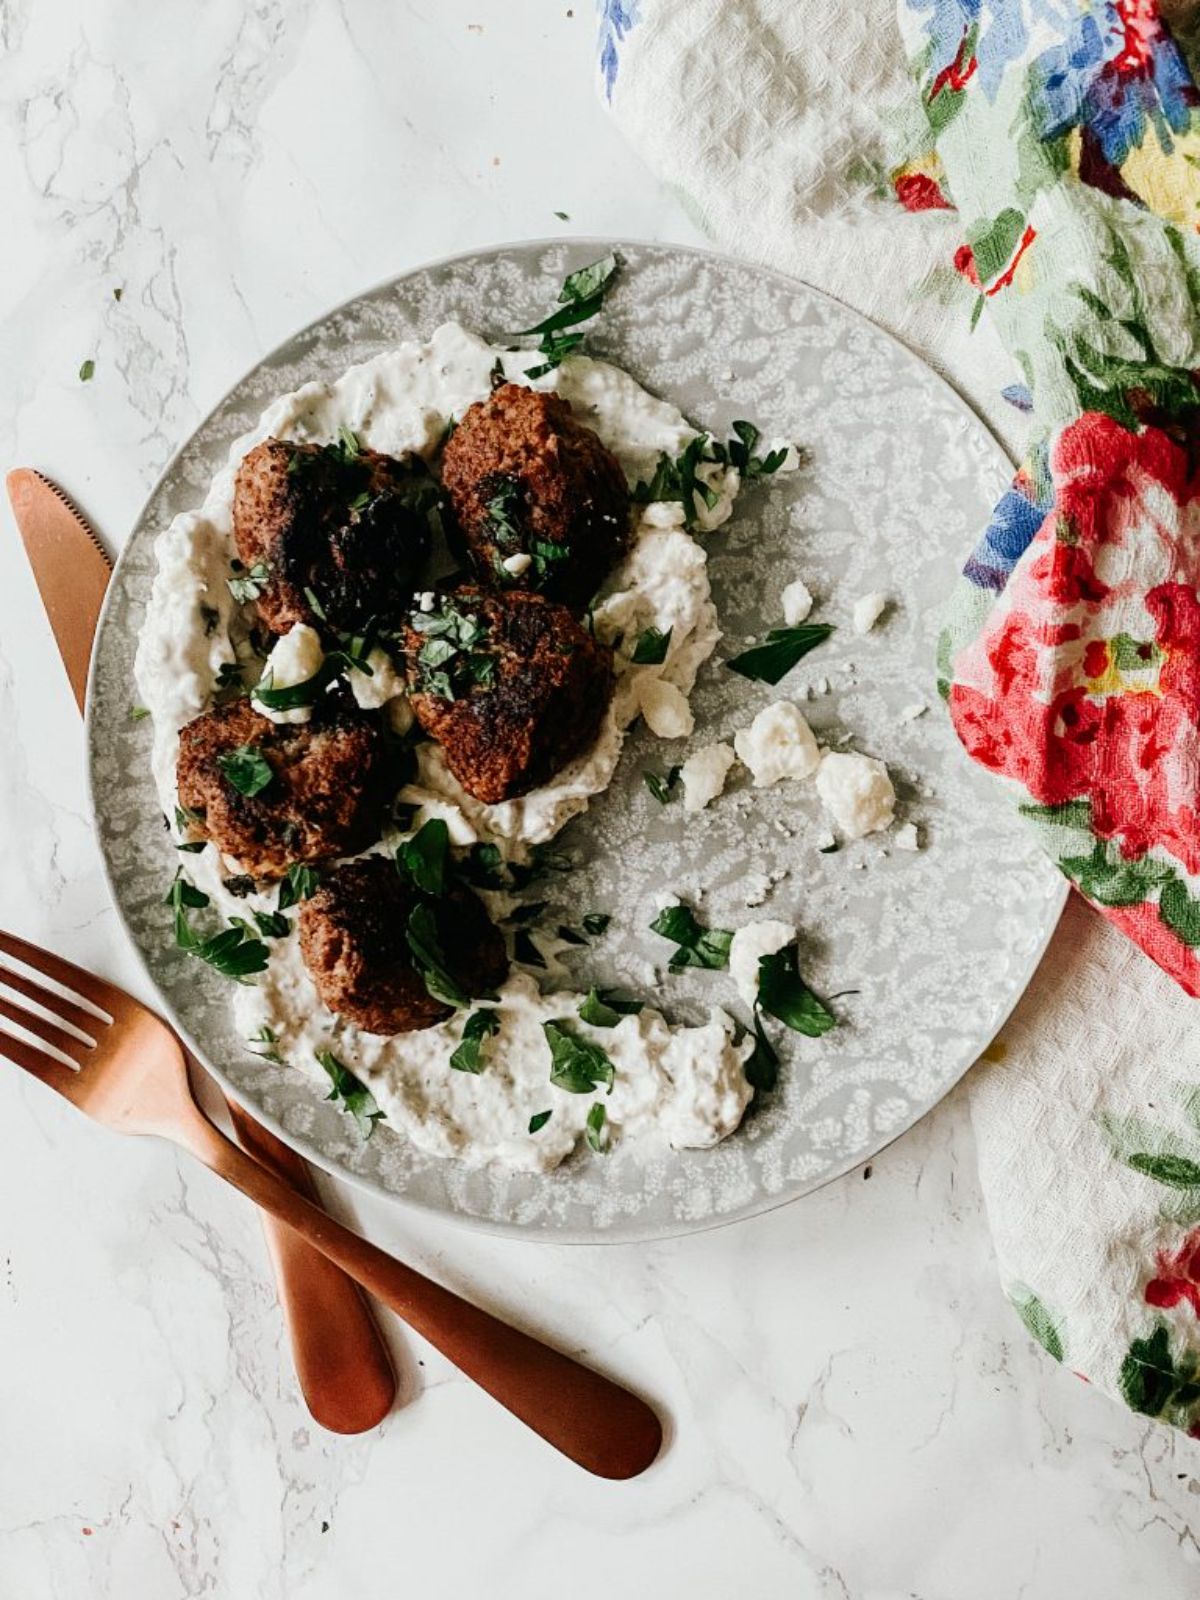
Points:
[(854, 1411)]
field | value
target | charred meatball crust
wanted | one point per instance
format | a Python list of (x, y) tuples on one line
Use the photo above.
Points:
[(528, 688), (325, 798), (348, 527), (523, 477), (352, 939)]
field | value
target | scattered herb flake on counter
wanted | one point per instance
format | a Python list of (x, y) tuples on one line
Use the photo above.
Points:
[(651, 648), (576, 1065), (596, 922), (354, 1095), (783, 993), (762, 1064), (663, 789), (247, 582), (136, 713), (697, 946), (783, 648), (594, 1131), (603, 1008), (246, 769), (422, 859), (87, 371), (468, 1055), (298, 883), (580, 298), (562, 216), (538, 1120)]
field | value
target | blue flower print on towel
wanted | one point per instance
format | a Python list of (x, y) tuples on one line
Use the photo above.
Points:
[(617, 18)]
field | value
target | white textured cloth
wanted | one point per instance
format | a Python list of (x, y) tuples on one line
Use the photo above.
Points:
[(783, 125)]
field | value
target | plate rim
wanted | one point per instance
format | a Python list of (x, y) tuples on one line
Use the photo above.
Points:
[(626, 1232)]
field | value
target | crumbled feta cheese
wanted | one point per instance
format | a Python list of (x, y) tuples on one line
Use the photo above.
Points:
[(663, 514), (911, 713), (295, 657), (907, 838), (868, 610), (518, 563), (778, 744), (857, 791), (797, 603), (758, 887), (665, 709), (704, 774), (426, 600), (377, 687), (749, 943)]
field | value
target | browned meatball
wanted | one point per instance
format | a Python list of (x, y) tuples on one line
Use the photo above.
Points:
[(510, 685), (324, 797), (524, 478), (344, 525), (354, 940)]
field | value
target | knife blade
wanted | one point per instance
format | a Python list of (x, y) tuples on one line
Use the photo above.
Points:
[(341, 1362)]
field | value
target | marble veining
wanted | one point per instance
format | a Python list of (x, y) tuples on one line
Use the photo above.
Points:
[(854, 1411)]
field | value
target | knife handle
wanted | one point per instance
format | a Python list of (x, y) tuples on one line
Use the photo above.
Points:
[(340, 1358)]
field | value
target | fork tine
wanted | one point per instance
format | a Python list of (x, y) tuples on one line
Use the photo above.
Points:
[(43, 1067), (70, 976), (46, 1028), (86, 1021)]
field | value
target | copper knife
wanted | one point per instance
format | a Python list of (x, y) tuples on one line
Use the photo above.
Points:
[(341, 1361)]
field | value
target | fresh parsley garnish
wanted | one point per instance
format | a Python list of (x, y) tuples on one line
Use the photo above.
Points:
[(354, 1095), (652, 647), (292, 696), (348, 443), (783, 993), (269, 1039), (604, 1008), (521, 916), (784, 647), (230, 683), (576, 1065), (580, 298), (569, 936), (739, 453), (595, 923), (502, 511), (679, 480), (697, 946), (298, 884), (449, 662), (762, 1064), (247, 583), (662, 788), (539, 1119), (484, 867), (426, 949), (234, 952), (422, 859), (480, 1025), (272, 924), (594, 1130), (246, 769)]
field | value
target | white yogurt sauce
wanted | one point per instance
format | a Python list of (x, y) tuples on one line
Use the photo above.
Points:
[(684, 1086)]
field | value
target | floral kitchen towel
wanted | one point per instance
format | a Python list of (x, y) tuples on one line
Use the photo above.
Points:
[(1028, 220)]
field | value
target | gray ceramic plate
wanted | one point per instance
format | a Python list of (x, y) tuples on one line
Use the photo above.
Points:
[(900, 476)]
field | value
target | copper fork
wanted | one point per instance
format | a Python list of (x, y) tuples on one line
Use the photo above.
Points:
[(129, 1073)]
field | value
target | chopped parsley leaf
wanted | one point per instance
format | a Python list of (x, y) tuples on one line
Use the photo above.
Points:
[(425, 946), (422, 859), (603, 1008), (784, 647), (270, 1039), (595, 923), (272, 924), (783, 993), (480, 1025), (652, 647), (539, 1119), (246, 769), (697, 946), (580, 298), (525, 951), (298, 884), (576, 1065), (354, 1095), (663, 789), (247, 583), (762, 1064), (594, 1131)]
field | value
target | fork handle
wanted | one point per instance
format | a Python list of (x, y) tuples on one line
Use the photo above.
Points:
[(595, 1422)]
